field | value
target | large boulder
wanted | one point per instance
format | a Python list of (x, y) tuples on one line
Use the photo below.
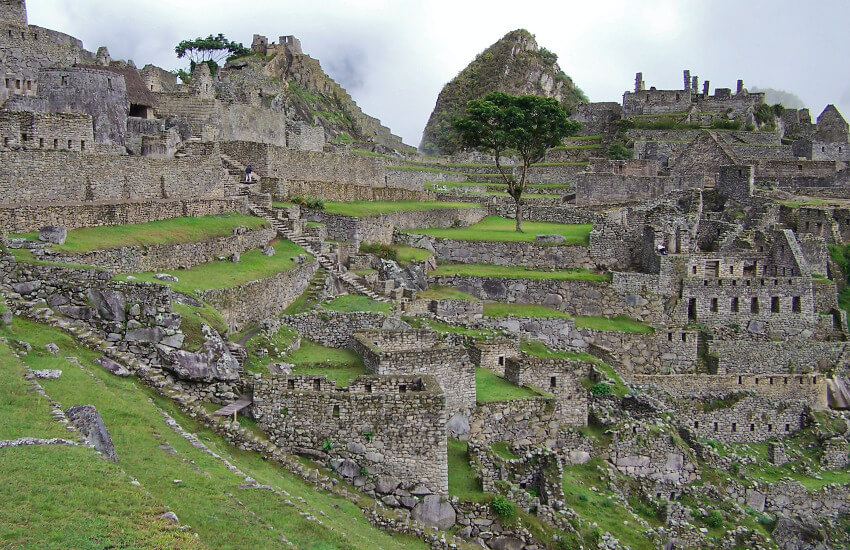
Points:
[(81, 313), (89, 423), (27, 287), (112, 366), (110, 304), (145, 334), (800, 533), (433, 512), (54, 234), (412, 277), (213, 362)]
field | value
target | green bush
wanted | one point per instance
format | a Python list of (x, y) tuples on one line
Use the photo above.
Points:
[(601, 388), (503, 507), (714, 519), (723, 124), (308, 202), (380, 250), (618, 151)]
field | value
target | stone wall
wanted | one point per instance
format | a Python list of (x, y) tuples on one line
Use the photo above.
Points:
[(198, 112), (129, 259), (493, 354), (553, 173), (32, 217), (750, 420), (415, 352), (653, 456), (575, 297), (379, 229), (344, 192), (256, 301), (808, 388), (71, 176), (594, 188), (55, 131), (527, 254), (386, 425), (559, 377), (530, 421), (333, 329), (793, 356)]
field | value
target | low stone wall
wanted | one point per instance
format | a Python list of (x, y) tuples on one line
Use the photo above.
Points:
[(32, 217), (346, 192), (333, 329), (493, 354), (530, 421), (527, 254), (262, 299), (380, 425), (793, 356), (807, 388), (172, 256), (791, 498), (575, 297), (379, 229), (652, 456)]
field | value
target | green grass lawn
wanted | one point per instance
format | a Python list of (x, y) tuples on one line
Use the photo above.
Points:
[(495, 228), (171, 231), (445, 293), (500, 309), (253, 265), (339, 365), (350, 303), (503, 449), (360, 209), (489, 386), (193, 318), (463, 481), (620, 323), (275, 347), (69, 498), (538, 349), (516, 272), (406, 254)]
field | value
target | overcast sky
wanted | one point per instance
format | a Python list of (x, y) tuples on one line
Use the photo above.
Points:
[(393, 57)]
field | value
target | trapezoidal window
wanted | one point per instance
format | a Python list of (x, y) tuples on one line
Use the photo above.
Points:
[(795, 305), (735, 307), (754, 305), (774, 304), (139, 111)]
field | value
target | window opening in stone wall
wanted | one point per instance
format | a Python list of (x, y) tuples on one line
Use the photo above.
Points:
[(290, 384), (8, 82), (770, 381), (735, 307), (787, 427), (684, 337), (695, 270), (696, 424), (23, 35), (731, 270), (774, 304), (669, 336), (335, 411), (715, 426), (5, 142), (734, 427), (82, 145), (754, 306), (553, 382), (770, 427), (29, 85), (56, 144), (501, 360), (317, 384), (714, 305), (402, 389), (24, 137), (795, 304), (740, 380), (64, 80), (752, 427), (108, 83), (368, 388), (70, 144), (41, 143), (692, 309), (17, 84)]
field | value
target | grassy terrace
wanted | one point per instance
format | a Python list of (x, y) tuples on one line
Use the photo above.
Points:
[(620, 323), (253, 265), (515, 272), (445, 293), (361, 209), (339, 365), (354, 302), (68, 497), (489, 387), (497, 229), (172, 231)]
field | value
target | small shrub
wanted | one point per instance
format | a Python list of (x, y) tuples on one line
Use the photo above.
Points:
[(722, 124), (380, 250), (503, 507), (618, 151), (714, 519), (327, 445), (750, 127), (369, 436), (315, 204), (299, 200), (601, 388)]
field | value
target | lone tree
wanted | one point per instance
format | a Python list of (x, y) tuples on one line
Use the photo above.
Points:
[(210, 50), (526, 125)]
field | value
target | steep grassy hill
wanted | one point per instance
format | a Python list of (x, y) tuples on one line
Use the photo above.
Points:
[(515, 65)]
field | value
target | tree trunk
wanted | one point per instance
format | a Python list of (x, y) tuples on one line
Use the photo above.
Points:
[(518, 202)]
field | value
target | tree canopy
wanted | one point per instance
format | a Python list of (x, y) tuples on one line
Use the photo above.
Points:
[(525, 125), (210, 50)]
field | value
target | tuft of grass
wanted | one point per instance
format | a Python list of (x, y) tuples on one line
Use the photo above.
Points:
[(503, 449), (445, 293), (171, 231), (489, 387), (498, 229), (193, 318), (350, 303), (516, 272), (620, 323), (500, 309), (253, 265), (361, 209)]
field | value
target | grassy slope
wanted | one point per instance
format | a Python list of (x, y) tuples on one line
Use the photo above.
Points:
[(253, 265), (361, 209), (491, 387), (207, 498), (514, 272), (349, 303), (463, 481), (495, 228), (339, 365), (171, 231)]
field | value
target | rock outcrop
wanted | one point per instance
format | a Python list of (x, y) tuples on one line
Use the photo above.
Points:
[(515, 65)]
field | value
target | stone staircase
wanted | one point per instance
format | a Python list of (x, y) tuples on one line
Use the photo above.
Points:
[(236, 170), (352, 280)]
